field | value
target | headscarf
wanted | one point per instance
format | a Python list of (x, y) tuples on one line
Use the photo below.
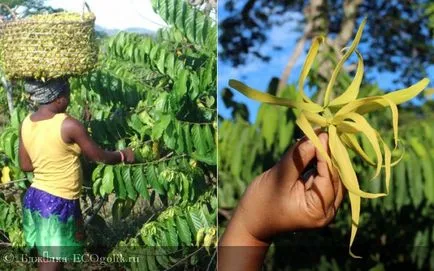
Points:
[(45, 92)]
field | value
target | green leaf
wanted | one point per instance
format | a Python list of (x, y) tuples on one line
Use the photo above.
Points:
[(420, 253), (207, 158), (152, 265), (415, 178), (185, 187), (162, 259), (117, 211), (402, 196), (237, 157), (171, 233), (107, 181), (196, 26), (97, 172), (152, 176), (119, 184), (96, 186), (209, 137), (198, 139), (154, 53), (180, 85), (183, 230), (160, 126), (169, 136), (193, 221), (204, 216), (9, 146), (188, 139), (140, 182), (135, 123), (126, 174), (428, 176), (161, 61), (15, 119), (172, 191), (170, 64), (197, 219), (269, 124), (285, 132), (180, 146)]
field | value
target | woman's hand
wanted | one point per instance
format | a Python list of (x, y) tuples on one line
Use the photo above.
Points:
[(279, 201), (129, 155)]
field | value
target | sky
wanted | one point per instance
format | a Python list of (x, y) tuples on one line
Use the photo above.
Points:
[(257, 74), (116, 14)]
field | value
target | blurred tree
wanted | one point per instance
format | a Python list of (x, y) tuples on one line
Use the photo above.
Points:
[(23, 8), (398, 36), (13, 3)]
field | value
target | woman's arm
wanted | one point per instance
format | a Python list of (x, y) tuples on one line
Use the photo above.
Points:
[(74, 132), (278, 201), (24, 158)]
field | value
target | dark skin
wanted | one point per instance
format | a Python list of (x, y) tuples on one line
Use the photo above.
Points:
[(72, 131), (279, 201)]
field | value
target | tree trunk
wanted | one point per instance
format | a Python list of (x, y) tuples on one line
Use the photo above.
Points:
[(344, 36), (292, 60), (9, 97), (316, 14), (316, 22)]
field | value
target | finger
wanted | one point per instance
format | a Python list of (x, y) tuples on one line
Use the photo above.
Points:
[(322, 167), (340, 192), (296, 159)]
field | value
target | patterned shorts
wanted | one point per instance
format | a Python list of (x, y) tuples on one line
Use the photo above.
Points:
[(53, 224)]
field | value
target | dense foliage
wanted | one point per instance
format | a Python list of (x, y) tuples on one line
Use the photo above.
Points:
[(156, 95)]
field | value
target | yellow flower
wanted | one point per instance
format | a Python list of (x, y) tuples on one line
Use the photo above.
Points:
[(343, 119), (5, 175)]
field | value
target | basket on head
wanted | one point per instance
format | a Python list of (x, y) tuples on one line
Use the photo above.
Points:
[(47, 46)]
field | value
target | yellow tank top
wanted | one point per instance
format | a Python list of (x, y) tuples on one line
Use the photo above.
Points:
[(56, 164)]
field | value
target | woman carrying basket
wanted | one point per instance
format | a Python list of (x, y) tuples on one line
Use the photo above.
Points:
[(50, 144)]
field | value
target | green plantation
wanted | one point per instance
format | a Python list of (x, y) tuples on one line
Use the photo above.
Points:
[(157, 95)]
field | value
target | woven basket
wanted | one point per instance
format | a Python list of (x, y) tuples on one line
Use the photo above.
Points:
[(49, 46)]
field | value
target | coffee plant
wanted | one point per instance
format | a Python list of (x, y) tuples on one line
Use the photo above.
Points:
[(157, 95)]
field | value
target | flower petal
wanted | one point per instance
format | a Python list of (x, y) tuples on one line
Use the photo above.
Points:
[(342, 61), (351, 141), (344, 166), (352, 91), (267, 98), (313, 51), (367, 130), (368, 104), (315, 118), (357, 105), (307, 129), (355, 217)]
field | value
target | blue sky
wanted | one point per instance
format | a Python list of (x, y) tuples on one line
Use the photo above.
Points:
[(257, 74)]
